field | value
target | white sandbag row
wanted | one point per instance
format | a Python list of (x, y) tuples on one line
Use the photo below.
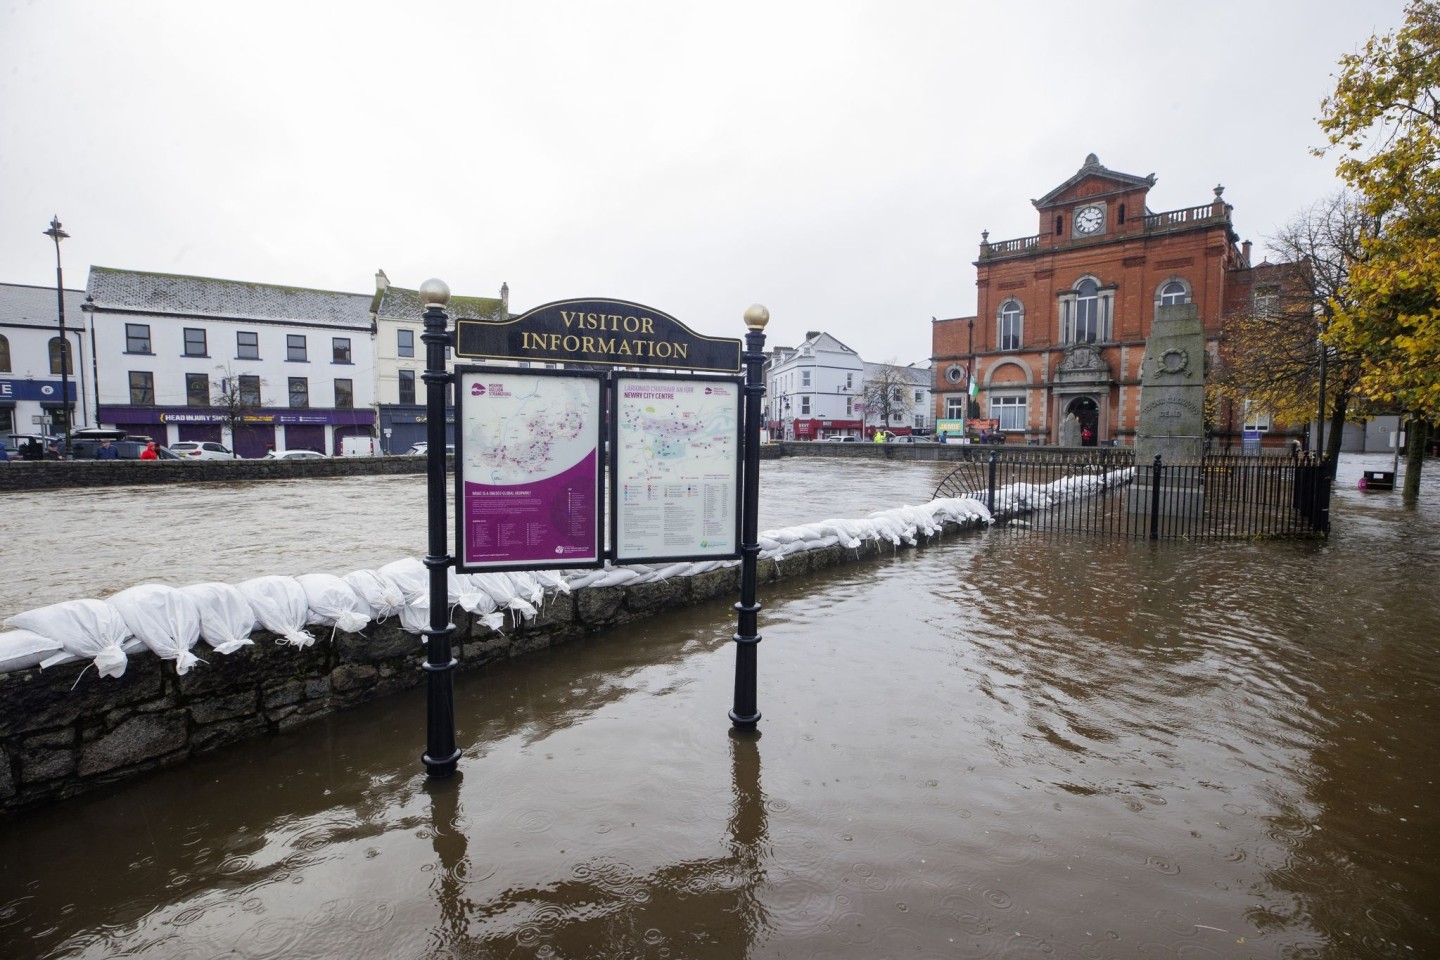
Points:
[(169, 621), (1024, 497)]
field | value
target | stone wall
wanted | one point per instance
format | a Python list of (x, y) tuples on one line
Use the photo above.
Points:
[(51, 475), (65, 730)]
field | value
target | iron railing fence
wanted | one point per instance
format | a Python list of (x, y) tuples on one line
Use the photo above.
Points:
[(1105, 492)]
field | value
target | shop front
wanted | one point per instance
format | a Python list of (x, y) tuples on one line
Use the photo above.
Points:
[(252, 434)]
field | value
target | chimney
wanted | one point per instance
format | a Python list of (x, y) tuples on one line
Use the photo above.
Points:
[(1245, 252), (382, 282), (504, 299)]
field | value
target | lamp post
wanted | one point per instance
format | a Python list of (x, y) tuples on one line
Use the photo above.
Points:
[(56, 234)]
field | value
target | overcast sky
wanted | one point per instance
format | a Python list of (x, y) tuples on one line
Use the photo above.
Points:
[(833, 160)]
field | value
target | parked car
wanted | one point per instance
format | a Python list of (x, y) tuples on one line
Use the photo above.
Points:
[(202, 450), (29, 446), (841, 439), (295, 455), (912, 438)]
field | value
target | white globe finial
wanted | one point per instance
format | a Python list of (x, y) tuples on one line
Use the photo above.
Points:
[(434, 292)]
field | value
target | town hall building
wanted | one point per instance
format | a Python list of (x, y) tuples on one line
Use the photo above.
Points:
[(1062, 316)]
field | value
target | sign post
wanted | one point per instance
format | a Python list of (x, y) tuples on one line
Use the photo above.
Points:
[(441, 754), (746, 714), (667, 413)]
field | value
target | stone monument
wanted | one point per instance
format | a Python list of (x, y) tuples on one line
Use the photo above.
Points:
[(1172, 409)]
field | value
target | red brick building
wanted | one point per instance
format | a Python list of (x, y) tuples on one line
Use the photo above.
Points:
[(1062, 316)]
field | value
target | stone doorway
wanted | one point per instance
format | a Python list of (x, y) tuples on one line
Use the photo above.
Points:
[(1087, 412)]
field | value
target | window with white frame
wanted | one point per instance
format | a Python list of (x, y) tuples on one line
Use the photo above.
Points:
[(805, 406), (1086, 312), (1174, 292), (1267, 302), (804, 378), (1008, 324), (1009, 410), (1255, 415), (955, 408), (849, 406)]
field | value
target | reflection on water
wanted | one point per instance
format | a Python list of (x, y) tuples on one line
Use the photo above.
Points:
[(1006, 745)]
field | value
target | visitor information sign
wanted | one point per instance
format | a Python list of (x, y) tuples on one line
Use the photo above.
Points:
[(675, 468), (528, 469)]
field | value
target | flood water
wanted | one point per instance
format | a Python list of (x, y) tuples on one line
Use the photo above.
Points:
[(1004, 745)]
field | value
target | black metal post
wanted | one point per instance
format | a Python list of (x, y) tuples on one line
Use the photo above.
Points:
[(1320, 414), (1155, 499), (56, 234), (441, 755), (746, 714), (990, 483)]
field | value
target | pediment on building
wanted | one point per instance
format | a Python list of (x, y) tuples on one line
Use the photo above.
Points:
[(1093, 179), (1082, 363)]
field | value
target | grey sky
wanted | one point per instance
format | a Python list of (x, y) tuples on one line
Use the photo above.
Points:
[(835, 161)]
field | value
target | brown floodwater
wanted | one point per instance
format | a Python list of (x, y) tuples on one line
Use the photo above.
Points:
[(1003, 745)]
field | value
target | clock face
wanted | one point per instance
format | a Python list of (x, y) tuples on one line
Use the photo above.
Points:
[(1089, 219)]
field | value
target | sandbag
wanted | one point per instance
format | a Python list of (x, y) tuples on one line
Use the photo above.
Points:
[(84, 628), (333, 603), (226, 617), (164, 619), (384, 598), (280, 607), (22, 649)]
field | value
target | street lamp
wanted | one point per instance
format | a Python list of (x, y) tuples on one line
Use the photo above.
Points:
[(56, 234)]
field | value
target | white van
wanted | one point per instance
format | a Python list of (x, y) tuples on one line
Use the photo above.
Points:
[(359, 447)]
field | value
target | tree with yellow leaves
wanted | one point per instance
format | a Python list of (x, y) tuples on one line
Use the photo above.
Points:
[(1271, 353), (1384, 121)]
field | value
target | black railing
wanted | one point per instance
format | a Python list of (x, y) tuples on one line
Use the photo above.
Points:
[(1105, 492)]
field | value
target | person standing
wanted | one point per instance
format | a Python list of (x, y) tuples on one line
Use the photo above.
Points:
[(52, 451), (106, 451), (149, 452)]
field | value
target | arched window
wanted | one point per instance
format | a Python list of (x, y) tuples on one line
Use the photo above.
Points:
[(1009, 325), (1174, 292), (4, 354), (60, 360), (1086, 312)]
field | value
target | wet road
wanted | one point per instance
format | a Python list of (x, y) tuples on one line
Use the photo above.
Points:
[(1003, 746)]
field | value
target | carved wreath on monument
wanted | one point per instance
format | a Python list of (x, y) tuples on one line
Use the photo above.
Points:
[(1174, 361)]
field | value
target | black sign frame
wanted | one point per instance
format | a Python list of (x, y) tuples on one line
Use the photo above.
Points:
[(597, 331)]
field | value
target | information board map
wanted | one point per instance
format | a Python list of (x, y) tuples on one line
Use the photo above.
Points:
[(529, 474), (676, 466)]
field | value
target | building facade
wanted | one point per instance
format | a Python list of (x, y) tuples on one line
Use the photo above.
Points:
[(400, 358), (897, 399), (33, 378), (1062, 316), (815, 391), (255, 366)]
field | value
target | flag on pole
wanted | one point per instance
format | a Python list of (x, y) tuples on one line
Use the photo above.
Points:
[(974, 387)]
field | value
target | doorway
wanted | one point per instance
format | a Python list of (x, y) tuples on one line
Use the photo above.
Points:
[(1087, 412)]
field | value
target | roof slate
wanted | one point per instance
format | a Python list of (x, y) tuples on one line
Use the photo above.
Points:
[(398, 303), (36, 305), (114, 289)]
